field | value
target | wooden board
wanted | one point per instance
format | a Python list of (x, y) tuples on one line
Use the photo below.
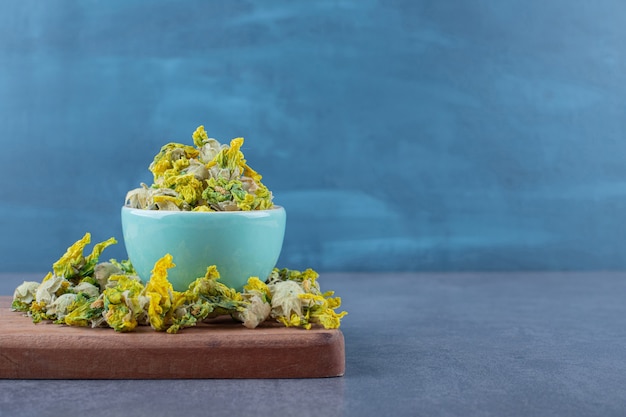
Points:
[(221, 349)]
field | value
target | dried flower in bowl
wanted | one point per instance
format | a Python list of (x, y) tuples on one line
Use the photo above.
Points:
[(208, 176)]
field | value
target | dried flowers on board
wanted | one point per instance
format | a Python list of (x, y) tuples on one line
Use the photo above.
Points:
[(208, 176), (83, 291)]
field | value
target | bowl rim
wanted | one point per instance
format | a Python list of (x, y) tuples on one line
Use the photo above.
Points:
[(163, 213)]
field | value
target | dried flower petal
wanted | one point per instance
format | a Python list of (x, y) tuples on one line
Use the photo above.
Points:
[(256, 311), (285, 299), (160, 293), (124, 303), (70, 263), (58, 309), (23, 295)]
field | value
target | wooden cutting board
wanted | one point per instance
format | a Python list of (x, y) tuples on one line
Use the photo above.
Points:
[(220, 349)]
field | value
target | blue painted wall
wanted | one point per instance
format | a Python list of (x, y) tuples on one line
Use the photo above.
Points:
[(399, 135)]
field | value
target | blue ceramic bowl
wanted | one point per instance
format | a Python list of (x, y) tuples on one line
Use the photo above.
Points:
[(240, 243)]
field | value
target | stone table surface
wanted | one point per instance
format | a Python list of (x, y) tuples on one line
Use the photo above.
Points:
[(417, 344)]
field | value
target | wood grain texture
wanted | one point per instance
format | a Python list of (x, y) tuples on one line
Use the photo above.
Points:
[(220, 349)]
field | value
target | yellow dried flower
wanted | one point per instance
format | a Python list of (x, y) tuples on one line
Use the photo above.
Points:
[(187, 186), (168, 157), (70, 263), (298, 293), (167, 202), (160, 293), (92, 259), (202, 208), (124, 302), (85, 311), (256, 285), (73, 265), (200, 136)]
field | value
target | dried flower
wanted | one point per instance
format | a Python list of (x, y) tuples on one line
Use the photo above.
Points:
[(208, 177), (110, 294)]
